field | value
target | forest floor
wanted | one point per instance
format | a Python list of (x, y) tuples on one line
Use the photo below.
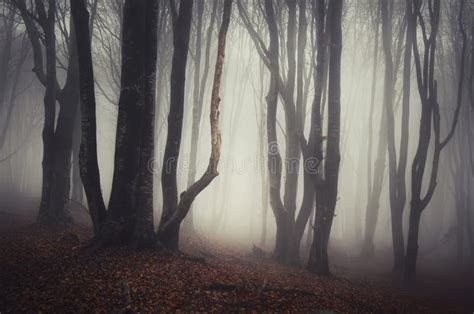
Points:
[(49, 271)]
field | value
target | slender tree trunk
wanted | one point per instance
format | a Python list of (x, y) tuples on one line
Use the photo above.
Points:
[(88, 164), (429, 123), (396, 204), (302, 27), (181, 32), (318, 261), (374, 187), (168, 232), (49, 116), (292, 158), (309, 235), (274, 158), (312, 153), (260, 157)]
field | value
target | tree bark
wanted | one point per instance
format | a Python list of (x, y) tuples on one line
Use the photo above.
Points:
[(274, 158), (45, 214), (181, 33), (429, 123), (318, 261), (119, 224), (144, 235), (88, 163), (57, 142), (312, 153), (168, 232)]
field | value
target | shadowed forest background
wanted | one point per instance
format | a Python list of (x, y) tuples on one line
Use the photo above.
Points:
[(236, 155)]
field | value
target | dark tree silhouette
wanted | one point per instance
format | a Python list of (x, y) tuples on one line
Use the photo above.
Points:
[(318, 260), (430, 122), (174, 212), (89, 167), (57, 137)]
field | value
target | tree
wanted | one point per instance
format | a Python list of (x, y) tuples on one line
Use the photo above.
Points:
[(174, 212), (318, 260), (396, 171), (129, 216), (285, 213), (374, 186), (313, 150), (57, 132), (198, 91), (429, 122), (89, 167)]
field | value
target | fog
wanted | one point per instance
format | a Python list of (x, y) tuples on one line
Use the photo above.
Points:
[(232, 208)]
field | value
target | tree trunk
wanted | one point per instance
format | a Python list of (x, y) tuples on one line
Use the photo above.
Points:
[(292, 158), (168, 232), (396, 204), (144, 235), (88, 164), (302, 26), (57, 142), (274, 159), (181, 32), (57, 150), (119, 223), (429, 123), (412, 242), (312, 152), (373, 197), (318, 261)]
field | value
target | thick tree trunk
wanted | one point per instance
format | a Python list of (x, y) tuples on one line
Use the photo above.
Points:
[(119, 223), (63, 138), (412, 242), (144, 235)]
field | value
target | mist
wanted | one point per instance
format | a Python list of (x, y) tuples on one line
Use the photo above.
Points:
[(335, 138)]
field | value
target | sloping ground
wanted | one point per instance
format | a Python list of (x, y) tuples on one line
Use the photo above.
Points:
[(48, 271)]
